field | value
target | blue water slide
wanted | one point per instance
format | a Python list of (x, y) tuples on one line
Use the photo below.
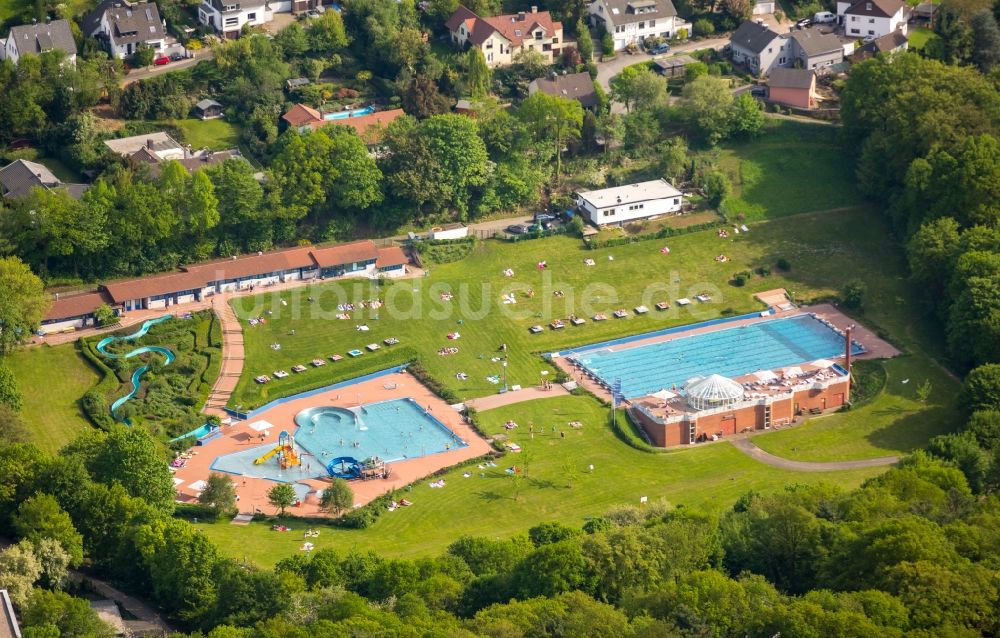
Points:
[(345, 467), (137, 375)]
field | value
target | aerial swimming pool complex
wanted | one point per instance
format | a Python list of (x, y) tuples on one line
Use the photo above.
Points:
[(332, 439), (730, 352)]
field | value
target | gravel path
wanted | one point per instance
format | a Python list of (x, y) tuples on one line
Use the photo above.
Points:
[(754, 452)]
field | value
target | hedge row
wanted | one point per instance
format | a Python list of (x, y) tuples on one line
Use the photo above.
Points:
[(660, 234)]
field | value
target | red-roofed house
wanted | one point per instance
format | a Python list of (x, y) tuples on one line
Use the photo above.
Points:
[(369, 126), (501, 38)]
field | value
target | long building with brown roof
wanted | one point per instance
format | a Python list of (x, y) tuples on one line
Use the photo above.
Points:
[(196, 282)]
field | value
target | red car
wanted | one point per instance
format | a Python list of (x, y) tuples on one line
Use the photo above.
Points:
[(160, 61)]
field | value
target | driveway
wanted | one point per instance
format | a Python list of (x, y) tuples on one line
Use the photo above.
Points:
[(147, 72), (606, 70)]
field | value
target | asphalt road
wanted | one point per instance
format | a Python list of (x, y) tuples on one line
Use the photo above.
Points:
[(147, 72)]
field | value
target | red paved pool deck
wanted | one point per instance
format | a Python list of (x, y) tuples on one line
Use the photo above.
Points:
[(875, 347), (253, 491)]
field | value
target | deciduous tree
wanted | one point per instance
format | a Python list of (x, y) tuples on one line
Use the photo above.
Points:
[(23, 303), (282, 496)]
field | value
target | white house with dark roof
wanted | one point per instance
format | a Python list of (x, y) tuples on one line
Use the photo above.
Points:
[(228, 17), (815, 50), (872, 18), (124, 26), (627, 203), (632, 21), (758, 48), (33, 39)]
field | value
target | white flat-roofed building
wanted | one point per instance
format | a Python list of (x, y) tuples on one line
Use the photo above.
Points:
[(630, 202)]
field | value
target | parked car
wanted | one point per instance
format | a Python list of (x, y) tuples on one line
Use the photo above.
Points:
[(516, 229), (759, 91), (535, 228), (659, 49), (802, 24), (176, 56), (541, 218), (824, 17), (160, 61)]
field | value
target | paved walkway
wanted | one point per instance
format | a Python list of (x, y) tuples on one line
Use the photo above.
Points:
[(233, 357), (746, 446), (519, 396), (133, 605)]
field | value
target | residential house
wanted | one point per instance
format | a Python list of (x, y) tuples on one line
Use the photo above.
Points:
[(193, 161), (575, 86), (208, 109), (924, 12), (632, 21), (872, 18), (813, 49), (33, 39), (763, 7), (501, 38), (20, 176), (369, 126), (674, 66), (228, 17), (622, 204), (758, 48), (890, 43), (8, 619), (124, 26), (158, 146), (794, 87), (73, 312)]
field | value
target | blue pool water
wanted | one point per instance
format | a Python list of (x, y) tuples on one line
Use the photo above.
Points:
[(392, 430), (731, 352), (341, 115)]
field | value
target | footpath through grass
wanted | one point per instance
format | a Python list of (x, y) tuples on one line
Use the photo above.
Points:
[(52, 380), (554, 483)]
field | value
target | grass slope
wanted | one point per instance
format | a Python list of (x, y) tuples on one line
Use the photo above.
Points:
[(824, 251), (792, 168), (215, 135), (52, 380), (558, 486), (894, 422)]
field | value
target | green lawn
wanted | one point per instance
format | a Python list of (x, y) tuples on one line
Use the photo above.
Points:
[(61, 171), (558, 486), (215, 135), (52, 380), (894, 422), (792, 168), (919, 37), (824, 250)]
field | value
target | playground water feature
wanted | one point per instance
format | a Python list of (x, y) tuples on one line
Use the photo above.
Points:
[(141, 370), (393, 430), (731, 352)]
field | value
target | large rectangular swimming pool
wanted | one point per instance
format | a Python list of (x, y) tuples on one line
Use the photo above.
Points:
[(731, 352)]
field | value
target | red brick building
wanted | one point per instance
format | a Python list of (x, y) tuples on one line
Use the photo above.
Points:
[(716, 406)]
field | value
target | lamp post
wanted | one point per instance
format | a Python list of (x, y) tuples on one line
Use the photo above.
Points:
[(504, 372)]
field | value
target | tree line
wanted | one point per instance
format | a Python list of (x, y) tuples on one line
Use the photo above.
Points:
[(911, 554)]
